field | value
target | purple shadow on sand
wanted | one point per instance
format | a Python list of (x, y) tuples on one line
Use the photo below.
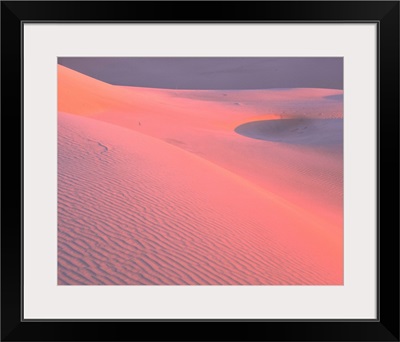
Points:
[(212, 72)]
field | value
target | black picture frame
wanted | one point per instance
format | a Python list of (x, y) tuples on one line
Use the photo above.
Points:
[(15, 328)]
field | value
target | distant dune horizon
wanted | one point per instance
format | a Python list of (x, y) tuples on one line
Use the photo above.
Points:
[(212, 73), (162, 186)]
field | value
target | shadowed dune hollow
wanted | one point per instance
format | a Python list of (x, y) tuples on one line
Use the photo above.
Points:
[(312, 132)]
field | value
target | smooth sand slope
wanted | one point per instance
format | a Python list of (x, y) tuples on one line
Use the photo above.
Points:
[(177, 187)]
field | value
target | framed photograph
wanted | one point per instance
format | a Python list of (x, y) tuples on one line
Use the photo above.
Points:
[(170, 163)]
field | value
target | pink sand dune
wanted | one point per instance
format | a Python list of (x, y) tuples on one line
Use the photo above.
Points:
[(192, 187)]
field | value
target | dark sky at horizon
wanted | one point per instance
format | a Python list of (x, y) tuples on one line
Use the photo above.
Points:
[(212, 72)]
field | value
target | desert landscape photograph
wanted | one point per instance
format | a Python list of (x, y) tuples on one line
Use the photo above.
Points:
[(200, 171)]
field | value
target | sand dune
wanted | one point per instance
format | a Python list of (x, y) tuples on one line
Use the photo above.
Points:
[(137, 210), (212, 72), (156, 187)]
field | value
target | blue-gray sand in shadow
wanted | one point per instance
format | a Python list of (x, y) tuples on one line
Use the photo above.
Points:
[(302, 131), (336, 97)]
